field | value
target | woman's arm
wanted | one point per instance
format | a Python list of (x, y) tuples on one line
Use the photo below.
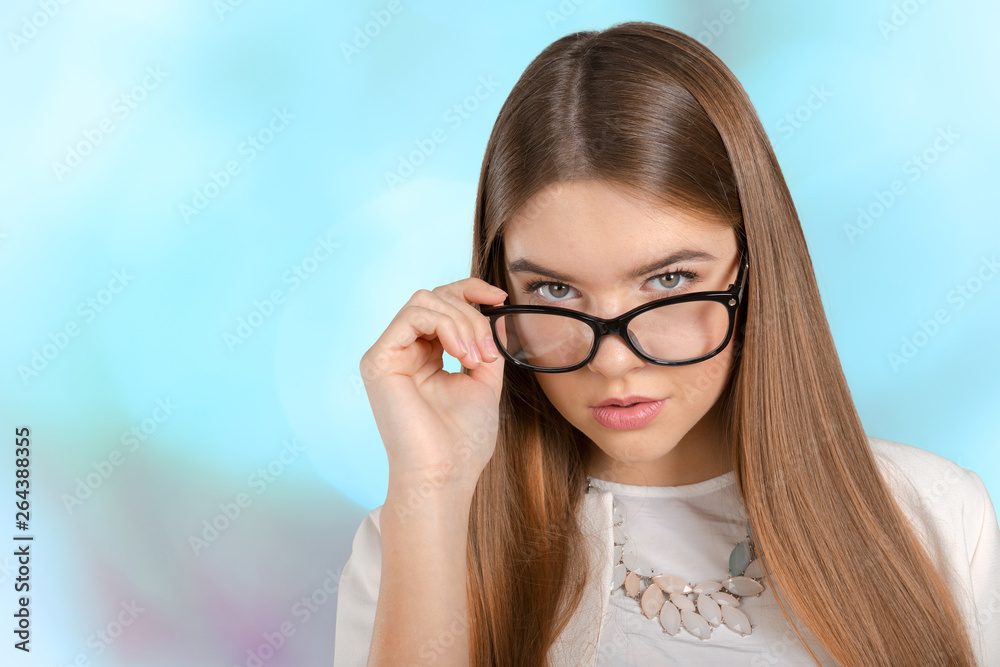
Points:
[(439, 430), (421, 617)]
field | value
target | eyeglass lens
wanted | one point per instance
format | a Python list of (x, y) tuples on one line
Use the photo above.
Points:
[(674, 332)]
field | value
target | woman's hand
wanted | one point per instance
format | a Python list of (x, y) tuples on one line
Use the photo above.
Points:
[(432, 422)]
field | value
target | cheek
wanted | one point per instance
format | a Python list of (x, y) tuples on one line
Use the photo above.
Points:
[(554, 386), (561, 391), (702, 383)]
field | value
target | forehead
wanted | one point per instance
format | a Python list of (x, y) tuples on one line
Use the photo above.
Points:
[(607, 230)]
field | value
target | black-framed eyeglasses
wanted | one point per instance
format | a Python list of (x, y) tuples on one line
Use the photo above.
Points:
[(673, 331)]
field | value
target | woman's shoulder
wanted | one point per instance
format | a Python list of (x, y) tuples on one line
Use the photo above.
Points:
[(922, 475), (910, 455), (924, 472), (954, 514), (949, 503)]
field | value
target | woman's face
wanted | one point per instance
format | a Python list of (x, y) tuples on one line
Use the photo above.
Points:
[(586, 238)]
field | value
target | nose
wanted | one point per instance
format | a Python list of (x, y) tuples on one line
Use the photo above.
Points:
[(614, 358)]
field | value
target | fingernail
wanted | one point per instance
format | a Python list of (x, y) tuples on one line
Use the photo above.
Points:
[(490, 347), (475, 354), (463, 346)]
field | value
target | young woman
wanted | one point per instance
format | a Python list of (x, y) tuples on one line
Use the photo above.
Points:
[(635, 226)]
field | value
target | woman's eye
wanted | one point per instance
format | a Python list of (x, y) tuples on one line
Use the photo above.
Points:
[(672, 280), (538, 288), (556, 291)]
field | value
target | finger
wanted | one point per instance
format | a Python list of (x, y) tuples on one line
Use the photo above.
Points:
[(395, 351), (434, 362), (465, 293), (479, 324), (463, 318), (474, 290), (475, 327)]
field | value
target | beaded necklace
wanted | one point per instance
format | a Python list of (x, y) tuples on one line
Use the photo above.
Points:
[(698, 608)]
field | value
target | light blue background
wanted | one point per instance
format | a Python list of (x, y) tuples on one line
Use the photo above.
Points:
[(329, 126)]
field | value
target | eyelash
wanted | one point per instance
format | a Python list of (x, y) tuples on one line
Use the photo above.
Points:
[(690, 277)]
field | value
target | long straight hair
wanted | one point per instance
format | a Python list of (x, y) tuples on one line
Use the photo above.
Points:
[(643, 106)]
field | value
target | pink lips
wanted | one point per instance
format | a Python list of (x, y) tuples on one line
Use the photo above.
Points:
[(623, 419)]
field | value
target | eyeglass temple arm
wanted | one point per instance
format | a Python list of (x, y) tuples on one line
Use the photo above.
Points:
[(744, 265)]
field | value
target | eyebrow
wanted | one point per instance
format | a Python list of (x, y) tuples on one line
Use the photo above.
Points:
[(524, 265)]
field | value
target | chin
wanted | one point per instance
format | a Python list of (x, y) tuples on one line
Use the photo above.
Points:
[(633, 448)]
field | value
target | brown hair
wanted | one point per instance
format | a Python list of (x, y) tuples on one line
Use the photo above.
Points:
[(648, 107)]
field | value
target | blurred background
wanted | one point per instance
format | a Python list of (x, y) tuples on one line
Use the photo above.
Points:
[(211, 209)]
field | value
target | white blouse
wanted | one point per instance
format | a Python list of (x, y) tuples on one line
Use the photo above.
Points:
[(689, 531)]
